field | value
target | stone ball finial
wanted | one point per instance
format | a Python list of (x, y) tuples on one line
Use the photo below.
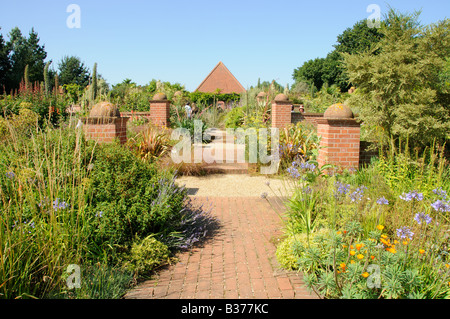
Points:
[(262, 94), (338, 111), (104, 109), (159, 97), (281, 98), (178, 94)]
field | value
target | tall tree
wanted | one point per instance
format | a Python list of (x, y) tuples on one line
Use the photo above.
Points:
[(400, 89), (94, 82), (25, 51), (73, 71), (47, 84), (5, 63)]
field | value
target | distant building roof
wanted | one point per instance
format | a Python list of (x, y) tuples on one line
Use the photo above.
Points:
[(220, 78)]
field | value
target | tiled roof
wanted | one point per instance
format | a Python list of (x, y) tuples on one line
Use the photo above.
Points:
[(220, 78)]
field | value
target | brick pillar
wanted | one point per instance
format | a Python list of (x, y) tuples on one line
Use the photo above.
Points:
[(281, 111), (340, 140), (106, 129), (160, 110)]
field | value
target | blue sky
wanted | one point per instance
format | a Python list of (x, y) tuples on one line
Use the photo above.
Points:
[(182, 40)]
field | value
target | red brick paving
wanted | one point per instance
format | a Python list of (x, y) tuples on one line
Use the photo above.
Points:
[(237, 262)]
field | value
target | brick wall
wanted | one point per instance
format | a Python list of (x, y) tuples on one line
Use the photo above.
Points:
[(306, 117), (341, 142), (160, 112), (106, 130), (281, 114)]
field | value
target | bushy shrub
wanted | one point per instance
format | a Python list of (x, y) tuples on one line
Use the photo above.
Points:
[(235, 118), (146, 255)]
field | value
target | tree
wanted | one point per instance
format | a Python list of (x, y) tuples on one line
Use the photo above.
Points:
[(25, 51), (73, 71), (329, 70), (400, 88), (5, 63)]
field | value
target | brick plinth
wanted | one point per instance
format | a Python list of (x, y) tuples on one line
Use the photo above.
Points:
[(281, 114), (106, 129), (340, 142), (160, 112)]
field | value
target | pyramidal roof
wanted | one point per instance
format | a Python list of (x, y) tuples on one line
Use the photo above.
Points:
[(220, 78)]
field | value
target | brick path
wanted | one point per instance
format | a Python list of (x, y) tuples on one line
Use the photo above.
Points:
[(238, 261)]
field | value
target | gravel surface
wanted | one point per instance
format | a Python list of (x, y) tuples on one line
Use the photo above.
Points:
[(228, 185)]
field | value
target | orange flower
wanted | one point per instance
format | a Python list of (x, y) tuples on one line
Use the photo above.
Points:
[(359, 246), (342, 265), (421, 251), (365, 274), (352, 261), (405, 242), (372, 257), (352, 252), (380, 227), (360, 256), (447, 265), (339, 232), (391, 250)]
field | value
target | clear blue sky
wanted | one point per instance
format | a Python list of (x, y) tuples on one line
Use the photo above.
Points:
[(182, 40)]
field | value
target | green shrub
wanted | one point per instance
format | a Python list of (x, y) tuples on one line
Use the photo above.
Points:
[(235, 118), (146, 255)]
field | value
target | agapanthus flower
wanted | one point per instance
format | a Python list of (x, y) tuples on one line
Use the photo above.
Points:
[(405, 232), (57, 205), (293, 171), (441, 206), (382, 201), (412, 195), (357, 195), (308, 166), (342, 188), (422, 217), (10, 175), (440, 192)]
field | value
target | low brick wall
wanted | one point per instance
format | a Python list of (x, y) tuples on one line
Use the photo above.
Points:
[(306, 117), (106, 130)]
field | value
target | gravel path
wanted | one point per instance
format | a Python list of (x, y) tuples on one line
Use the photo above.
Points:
[(238, 185)]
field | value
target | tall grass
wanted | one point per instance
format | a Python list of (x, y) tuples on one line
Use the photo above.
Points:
[(42, 220)]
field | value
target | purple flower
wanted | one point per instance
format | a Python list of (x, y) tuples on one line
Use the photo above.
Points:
[(307, 190), (293, 171), (440, 192), (10, 175), (422, 217), (57, 205), (99, 214), (441, 206), (357, 195), (382, 201), (341, 189), (264, 195), (405, 232), (411, 195)]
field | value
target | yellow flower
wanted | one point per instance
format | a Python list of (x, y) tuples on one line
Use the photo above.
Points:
[(339, 232), (365, 274), (352, 252), (447, 265), (395, 242), (360, 256), (352, 247), (342, 265), (405, 242), (421, 251), (384, 236), (380, 227), (359, 246), (352, 261)]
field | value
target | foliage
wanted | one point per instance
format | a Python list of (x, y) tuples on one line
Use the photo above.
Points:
[(328, 70), (234, 118), (388, 226), (23, 51), (73, 71), (213, 98), (152, 143), (146, 255), (399, 88)]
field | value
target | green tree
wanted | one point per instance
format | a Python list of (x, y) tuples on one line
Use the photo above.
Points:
[(25, 51), (5, 63), (399, 88), (73, 71), (329, 70)]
